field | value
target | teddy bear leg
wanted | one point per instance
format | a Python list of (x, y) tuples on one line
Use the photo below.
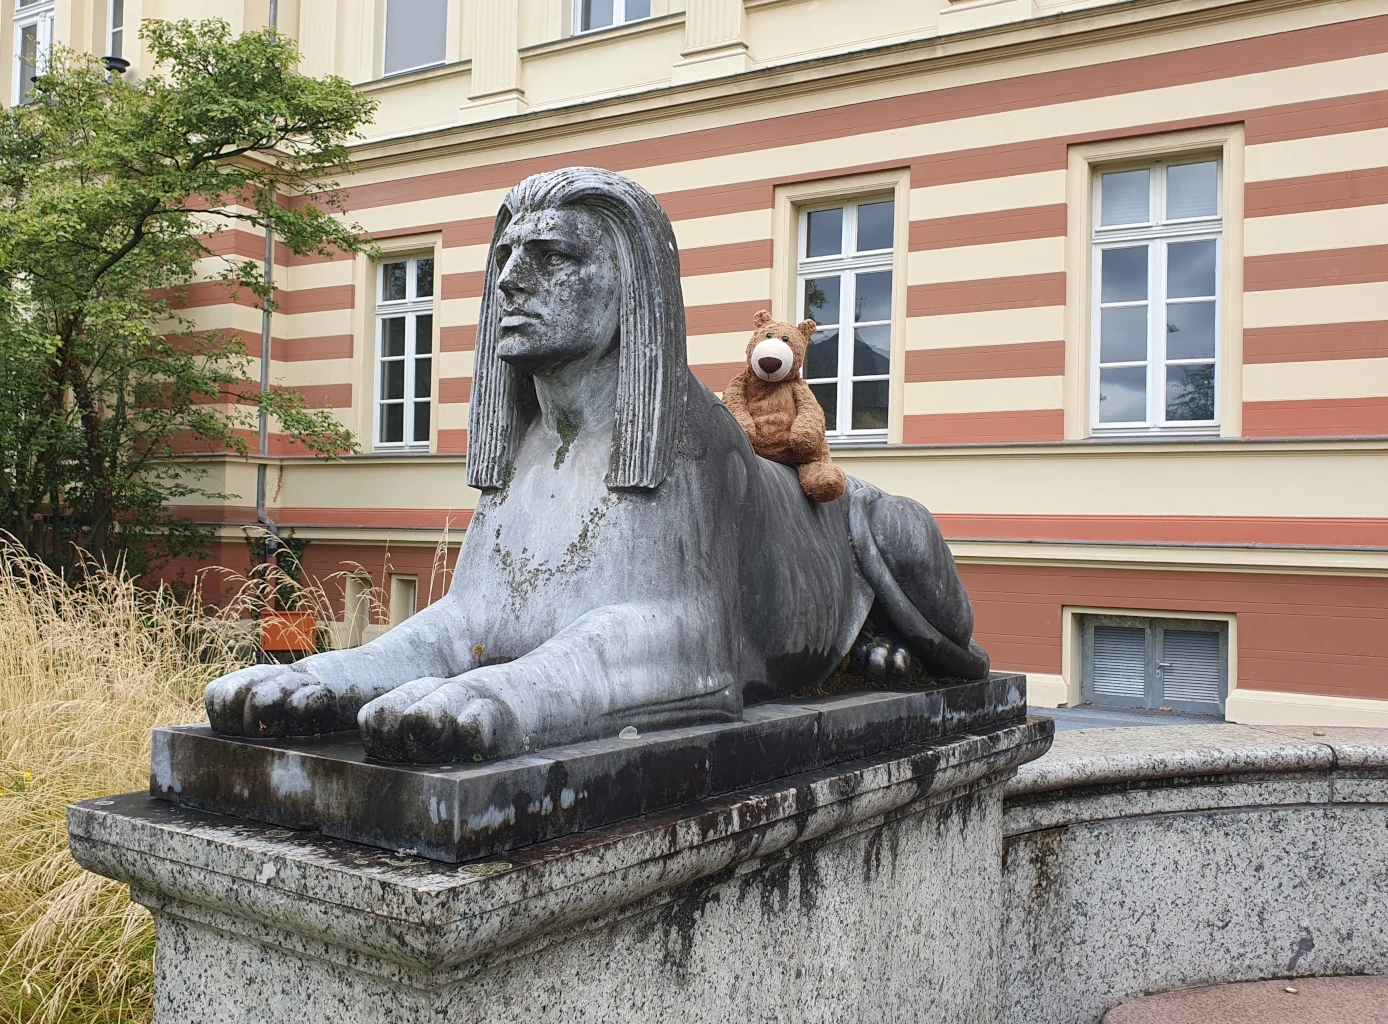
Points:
[(821, 480)]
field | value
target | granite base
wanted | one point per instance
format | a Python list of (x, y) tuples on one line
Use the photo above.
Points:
[(869, 891)]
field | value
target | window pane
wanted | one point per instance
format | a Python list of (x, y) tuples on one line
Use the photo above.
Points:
[(1123, 335), (1124, 274), (1190, 269), (637, 9), (421, 422), (875, 224), (824, 232), (392, 281), (597, 14), (1192, 190), (1190, 330), (28, 61), (1190, 392), (424, 333), (1124, 198), (415, 33), (822, 299), (393, 336), (828, 395), (1123, 395), (822, 356), (393, 423), (873, 300), (393, 379), (872, 347), (423, 371), (870, 405), (424, 278)]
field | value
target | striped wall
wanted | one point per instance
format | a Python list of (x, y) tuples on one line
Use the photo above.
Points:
[(982, 343)]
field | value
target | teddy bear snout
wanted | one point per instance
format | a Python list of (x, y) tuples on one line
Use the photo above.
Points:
[(772, 359)]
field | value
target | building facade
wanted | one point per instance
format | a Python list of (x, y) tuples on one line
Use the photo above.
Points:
[(1103, 283)]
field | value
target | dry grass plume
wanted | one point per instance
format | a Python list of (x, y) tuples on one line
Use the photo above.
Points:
[(85, 673)]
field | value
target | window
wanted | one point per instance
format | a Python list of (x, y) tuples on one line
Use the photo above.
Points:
[(33, 33), (416, 31), (404, 352), (845, 286), (595, 14), (404, 598), (1180, 665), (356, 609), (115, 22), (1156, 302)]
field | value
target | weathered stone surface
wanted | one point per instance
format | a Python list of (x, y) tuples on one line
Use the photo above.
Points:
[(864, 892), (465, 811), (1139, 860)]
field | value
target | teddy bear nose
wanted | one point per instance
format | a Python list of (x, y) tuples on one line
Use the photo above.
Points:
[(769, 364)]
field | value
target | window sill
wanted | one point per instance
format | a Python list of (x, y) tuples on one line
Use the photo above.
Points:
[(423, 74), (601, 35), (865, 440), (1155, 434)]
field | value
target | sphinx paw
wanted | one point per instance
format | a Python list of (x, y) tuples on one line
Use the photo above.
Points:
[(882, 660), (438, 721)]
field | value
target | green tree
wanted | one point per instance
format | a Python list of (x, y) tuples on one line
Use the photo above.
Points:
[(112, 194)]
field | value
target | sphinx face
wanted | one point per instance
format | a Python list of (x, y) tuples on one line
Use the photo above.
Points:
[(560, 281)]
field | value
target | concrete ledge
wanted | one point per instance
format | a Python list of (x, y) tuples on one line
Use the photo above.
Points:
[(1143, 860), (1309, 1001)]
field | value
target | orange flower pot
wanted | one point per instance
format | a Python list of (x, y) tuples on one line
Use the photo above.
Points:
[(293, 632)]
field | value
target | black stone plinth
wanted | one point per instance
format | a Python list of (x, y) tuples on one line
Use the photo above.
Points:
[(463, 812)]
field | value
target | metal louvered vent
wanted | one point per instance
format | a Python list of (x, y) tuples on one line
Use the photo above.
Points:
[(1120, 661), (1190, 660)]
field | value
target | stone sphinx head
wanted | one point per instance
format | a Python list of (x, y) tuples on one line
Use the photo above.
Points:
[(580, 259)]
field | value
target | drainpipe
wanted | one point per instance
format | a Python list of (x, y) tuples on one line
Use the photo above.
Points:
[(272, 541)]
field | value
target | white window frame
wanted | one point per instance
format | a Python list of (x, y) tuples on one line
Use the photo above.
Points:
[(1157, 232), (619, 17), (114, 49), (385, 38), (846, 264), (411, 308), (40, 15)]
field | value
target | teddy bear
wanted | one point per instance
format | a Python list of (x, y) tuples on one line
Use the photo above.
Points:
[(777, 409)]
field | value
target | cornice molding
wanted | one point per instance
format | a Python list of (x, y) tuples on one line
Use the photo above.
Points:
[(1046, 34)]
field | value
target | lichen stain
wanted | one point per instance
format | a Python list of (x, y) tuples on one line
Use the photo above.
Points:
[(568, 433), (289, 778), (491, 818), (526, 576)]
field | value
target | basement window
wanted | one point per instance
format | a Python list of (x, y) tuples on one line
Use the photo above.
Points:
[(1176, 664)]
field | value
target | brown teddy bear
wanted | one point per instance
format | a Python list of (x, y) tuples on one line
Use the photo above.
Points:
[(777, 409)]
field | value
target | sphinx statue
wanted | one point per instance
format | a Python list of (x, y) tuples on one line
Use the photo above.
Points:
[(631, 561)]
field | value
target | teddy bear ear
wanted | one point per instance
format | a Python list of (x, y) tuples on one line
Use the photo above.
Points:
[(761, 318), (807, 327)]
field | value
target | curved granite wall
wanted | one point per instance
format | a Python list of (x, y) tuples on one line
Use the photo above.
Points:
[(1139, 860)]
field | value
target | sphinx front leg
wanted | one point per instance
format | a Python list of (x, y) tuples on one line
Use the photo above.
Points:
[(626, 665)]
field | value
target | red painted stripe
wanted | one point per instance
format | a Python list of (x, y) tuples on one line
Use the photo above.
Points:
[(1021, 291), (1363, 340), (294, 350), (715, 376), (1275, 530), (452, 441), (1339, 191), (723, 317), (317, 300), (1296, 633), (722, 259), (455, 390), (984, 427), (1314, 118), (462, 286), (458, 338), (986, 228), (324, 396), (1331, 417), (985, 362), (1360, 265)]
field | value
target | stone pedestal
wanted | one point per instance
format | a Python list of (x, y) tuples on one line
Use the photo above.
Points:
[(867, 891)]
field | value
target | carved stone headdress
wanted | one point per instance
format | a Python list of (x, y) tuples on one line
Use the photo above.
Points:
[(653, 371)]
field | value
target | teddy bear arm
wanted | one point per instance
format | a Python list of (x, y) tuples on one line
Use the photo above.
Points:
[(807, 432), (735, 398)]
